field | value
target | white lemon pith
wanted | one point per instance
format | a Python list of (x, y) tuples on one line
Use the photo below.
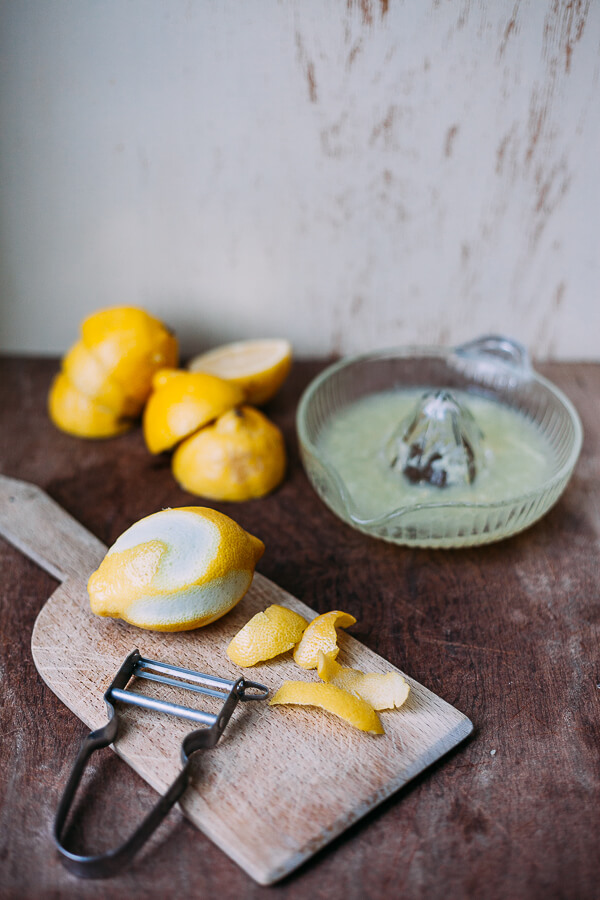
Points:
[(175, 570)]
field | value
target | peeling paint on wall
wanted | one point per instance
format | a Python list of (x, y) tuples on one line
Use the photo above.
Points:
[(349, 175)]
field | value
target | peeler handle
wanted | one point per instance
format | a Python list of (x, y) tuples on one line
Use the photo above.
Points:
[(107, 864)]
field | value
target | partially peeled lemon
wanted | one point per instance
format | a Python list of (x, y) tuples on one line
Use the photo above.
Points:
[(175, 570)]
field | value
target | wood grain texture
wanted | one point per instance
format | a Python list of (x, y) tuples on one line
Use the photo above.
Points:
[(507, 633), (246, 796)]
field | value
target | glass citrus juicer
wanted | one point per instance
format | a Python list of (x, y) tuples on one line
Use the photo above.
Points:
[(437, 447)]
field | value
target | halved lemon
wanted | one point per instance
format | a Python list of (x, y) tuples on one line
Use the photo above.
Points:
[(239, 457), (130, 345), (182, 403), (78, 414), (88, 376), (259, 367)]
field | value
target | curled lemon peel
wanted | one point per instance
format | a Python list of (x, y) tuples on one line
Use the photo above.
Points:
[(240, 456), (321, 635), (387, 691), (182, 403), (334, 699), (265, 635), (259, 367), (175, 570)]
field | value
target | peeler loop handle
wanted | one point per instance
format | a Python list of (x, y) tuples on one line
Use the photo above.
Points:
[(107, 864), (251, 690)]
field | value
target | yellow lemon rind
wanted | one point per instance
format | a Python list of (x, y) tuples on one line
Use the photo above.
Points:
[(89, 377), (266, 635), (241, 456), (333, 699), (321, 635), (183, 403), (79, 415), (381, 691), (130, 345)]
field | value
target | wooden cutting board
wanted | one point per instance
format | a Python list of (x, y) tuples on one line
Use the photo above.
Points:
[(283, 781)]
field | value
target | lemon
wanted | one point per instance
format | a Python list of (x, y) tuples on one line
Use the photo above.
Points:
[(182, 403), (258, 367), (321, 635), (387, 691), (267, 634), (107, 375), (239, 457), (88, 376), (347, 706), (78, 414), (130, 345), (175, 570)]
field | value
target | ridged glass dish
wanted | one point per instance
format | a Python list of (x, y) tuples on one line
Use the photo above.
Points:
[(492, 367)]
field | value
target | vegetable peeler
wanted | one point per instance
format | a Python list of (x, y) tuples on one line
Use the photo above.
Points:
[(135, 666)]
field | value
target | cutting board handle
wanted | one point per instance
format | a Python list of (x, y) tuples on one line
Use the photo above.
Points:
[(42, 530)]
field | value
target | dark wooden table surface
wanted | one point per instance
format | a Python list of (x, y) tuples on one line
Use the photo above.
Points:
[(509, 633)]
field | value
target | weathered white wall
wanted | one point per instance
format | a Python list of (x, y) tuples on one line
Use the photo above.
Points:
[(348, 174)]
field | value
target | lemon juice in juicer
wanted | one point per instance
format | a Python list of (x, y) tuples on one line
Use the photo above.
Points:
[(442, 445), (438, 447)]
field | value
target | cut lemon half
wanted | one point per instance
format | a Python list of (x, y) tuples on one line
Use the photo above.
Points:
[(387, 691), (130, 345), (175, 570), (239, 457), (321, 635), (267, 634), (78, 414), (259, 367), (347, 706), (89, 377), (182, 403)]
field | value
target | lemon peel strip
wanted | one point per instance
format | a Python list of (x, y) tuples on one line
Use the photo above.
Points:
[(321, 635), (265, 635), (333, 699), (387, 691)]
